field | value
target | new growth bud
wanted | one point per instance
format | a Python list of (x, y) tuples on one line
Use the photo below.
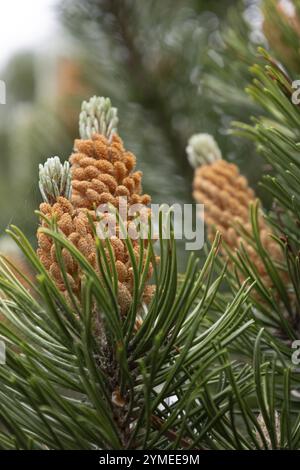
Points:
[(98, 117), (202, 149), (55, 180)]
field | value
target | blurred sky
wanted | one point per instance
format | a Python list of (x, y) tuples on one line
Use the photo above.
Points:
[(25, 24)]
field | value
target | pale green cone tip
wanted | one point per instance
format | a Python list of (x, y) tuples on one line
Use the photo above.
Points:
[(202, 149), (55, 180), (98, 116)]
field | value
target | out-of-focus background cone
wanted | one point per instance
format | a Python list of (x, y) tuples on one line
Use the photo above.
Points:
[(226, 196)]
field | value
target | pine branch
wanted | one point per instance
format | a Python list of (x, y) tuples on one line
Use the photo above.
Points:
[(60, 348)]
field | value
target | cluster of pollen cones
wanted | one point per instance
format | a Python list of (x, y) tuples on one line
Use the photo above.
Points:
[(102, 171), (227, 196)]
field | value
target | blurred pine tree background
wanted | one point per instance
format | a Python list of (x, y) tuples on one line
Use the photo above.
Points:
[(164, 66)]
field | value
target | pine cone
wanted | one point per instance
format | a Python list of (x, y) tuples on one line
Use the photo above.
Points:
[(101, 173), (75, 225), (226, 197)]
